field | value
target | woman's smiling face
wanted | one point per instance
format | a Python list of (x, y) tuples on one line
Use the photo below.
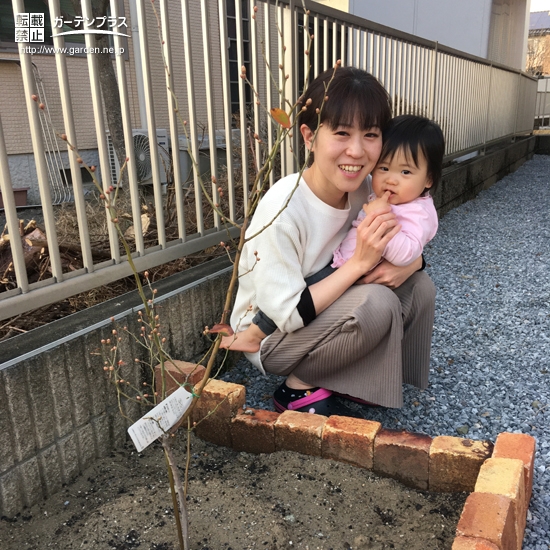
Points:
[(344, 156)]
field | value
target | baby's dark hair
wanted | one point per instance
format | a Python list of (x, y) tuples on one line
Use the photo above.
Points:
[(413, 134), (353, 95)]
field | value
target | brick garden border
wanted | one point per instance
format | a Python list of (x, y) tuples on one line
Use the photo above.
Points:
[(498, 477)]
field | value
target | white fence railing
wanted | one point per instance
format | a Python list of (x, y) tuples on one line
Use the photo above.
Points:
[(204, 46)]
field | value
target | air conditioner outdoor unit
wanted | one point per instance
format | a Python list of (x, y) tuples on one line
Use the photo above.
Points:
[(142, 154)]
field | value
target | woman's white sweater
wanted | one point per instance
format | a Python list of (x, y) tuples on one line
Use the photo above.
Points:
[(298, 240)]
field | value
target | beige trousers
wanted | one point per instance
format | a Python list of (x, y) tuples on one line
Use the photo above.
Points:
[(367, 344)]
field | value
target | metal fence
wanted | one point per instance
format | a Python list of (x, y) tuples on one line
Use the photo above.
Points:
[(542, 110), (280, 45)]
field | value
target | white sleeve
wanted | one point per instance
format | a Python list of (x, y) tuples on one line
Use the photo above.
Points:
[(277, 276)]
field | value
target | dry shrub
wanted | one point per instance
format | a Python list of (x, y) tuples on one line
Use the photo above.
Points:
[(69, 241)]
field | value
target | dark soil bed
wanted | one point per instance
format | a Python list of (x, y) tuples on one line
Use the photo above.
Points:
[(236, 501)]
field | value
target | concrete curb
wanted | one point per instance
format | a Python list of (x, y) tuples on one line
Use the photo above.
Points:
[(498, 477)]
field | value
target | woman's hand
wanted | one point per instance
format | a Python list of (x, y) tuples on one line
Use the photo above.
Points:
[(373, 234), (390, 275)]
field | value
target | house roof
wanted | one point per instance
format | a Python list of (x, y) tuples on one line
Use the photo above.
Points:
[(539, 22)]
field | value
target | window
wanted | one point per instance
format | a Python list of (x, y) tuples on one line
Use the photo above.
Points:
[(234, 68), (7, 23)]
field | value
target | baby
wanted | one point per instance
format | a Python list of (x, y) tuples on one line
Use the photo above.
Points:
[(410, 165)]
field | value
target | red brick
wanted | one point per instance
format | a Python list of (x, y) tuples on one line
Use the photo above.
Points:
[(403, 456), (176, 374), (504, 476), (455, 463), (253, 431), (469, 543), (350, 440), (520, 446), (299, 432), (218, 404), (489, 517)]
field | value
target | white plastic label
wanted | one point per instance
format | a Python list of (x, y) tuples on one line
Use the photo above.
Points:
[(160, 419)]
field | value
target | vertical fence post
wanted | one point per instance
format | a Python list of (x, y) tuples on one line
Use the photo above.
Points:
[(131, 167), (70, 130), (289, 85), (537, 106), (172, 118), (8, 199), (39, 155), (517, 107), (545, 100), (213, 141), (97, 105), (488, 109), (255, 81), (227, 114), (269, 81), (433, 78), (151, 122), (243, 119)]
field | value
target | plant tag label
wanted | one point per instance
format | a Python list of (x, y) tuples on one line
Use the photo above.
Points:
[(160, 419)]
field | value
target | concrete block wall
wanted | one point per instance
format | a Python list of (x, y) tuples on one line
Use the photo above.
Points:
[(58, 411), (543, 144), (23, 172), (461, 182)]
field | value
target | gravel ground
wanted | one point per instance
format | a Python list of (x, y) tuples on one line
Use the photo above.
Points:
[(490, 367)]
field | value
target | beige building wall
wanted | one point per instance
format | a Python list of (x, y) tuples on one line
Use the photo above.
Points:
[(12, 100), (158, 74), (508, 32), (493, 29), (342, 5), (13, 106)]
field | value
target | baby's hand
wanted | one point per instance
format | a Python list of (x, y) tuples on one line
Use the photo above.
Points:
[(377, 203)]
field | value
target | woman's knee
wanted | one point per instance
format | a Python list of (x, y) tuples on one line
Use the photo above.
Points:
[(424, 288), (381, 298), (418, 287), (377, 305)]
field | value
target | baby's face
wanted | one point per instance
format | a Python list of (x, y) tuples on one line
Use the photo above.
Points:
[(401, 177)]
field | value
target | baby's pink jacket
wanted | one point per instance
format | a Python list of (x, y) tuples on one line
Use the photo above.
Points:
[(418, 220)]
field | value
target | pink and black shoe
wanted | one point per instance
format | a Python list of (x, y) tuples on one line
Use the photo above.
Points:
[(314, 401)]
